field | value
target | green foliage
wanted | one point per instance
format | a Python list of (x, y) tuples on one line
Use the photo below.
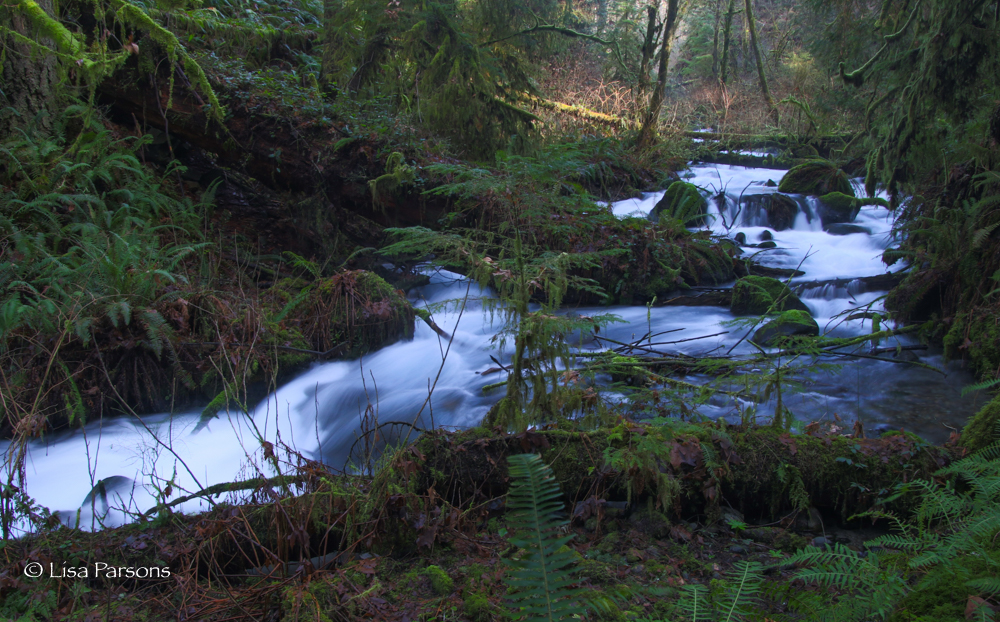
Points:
[(539, 579), (102, 60), (734, 599), (430, 62), (84, 249), (952, 533)]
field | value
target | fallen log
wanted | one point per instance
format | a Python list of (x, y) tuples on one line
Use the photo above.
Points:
[(764, 472)]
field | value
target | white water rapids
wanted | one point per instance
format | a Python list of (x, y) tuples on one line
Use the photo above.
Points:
[(319, 413)]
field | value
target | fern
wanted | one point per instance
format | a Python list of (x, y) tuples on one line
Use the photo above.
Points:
[(540, 579), (737, 599)]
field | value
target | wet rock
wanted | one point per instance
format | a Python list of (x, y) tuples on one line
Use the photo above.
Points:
[(683, 202), (847, 229), (771, 209), (755, 295), (770, 183), (840, 207), (782, 212), (816, 177), (740, 238), (765, 235), (793, 323), (767, 244), (815, 520), (821, 542)]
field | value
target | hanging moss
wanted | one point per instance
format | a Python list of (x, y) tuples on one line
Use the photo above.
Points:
[(397, 174), (816, 177)]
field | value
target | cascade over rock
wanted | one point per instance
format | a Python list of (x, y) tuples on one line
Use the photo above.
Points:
[(780, 210)]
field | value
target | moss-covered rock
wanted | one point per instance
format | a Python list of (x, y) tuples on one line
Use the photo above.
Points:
[(981, 430), (816, 177), (756, 295), (838, 207), (683, 202), (788, 324)]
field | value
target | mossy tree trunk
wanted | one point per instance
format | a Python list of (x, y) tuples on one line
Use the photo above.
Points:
[(755, 44), (726, 38), (715, 40), (648, 50), (28, 75), (656, 99)]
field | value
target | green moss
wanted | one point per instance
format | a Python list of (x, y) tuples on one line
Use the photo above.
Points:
[(440, 581), (789, 324), (981, 430), (397, 174), (816, 177), (477, 607), (682, 202), (756, 295)]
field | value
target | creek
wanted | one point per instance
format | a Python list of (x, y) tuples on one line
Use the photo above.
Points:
[(321, 412)]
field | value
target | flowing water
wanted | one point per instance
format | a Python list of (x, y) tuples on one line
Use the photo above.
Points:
[(321, 413)]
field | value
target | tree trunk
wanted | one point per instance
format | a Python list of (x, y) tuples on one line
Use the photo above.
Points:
[(751, 24), (602, 17), (727, 36), (28, 77), (715, 40), (656, 99), (648, 49)]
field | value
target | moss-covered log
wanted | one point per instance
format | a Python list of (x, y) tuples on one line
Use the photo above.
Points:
[(763, 472)]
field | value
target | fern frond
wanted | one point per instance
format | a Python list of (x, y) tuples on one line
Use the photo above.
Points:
[(540, 580), (979, 386)]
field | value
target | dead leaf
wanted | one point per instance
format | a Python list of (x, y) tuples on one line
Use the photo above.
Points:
[(679, 532), (789, 442)]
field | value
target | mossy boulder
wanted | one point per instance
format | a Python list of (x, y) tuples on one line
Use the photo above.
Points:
[(756, 295), (816, 177), (981, 430), (838, 207), (789, 324), (683, 202)]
